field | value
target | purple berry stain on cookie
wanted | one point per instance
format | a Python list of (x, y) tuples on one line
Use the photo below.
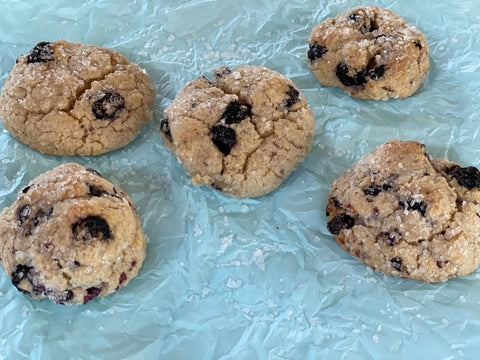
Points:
[(91, 227), (397, 263), (234, 113), (293, 96), (468, 177), (224, 138), (42, 52), (165, 129), (92, 292), (316, 51), (339, 222), (121, 280), (109, 106)]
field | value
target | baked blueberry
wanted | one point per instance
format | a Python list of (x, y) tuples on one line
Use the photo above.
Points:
[(224, 138), (109, 106), (292, 96), (316, 51), (90, 228), (42, 52), (339, 222), (234, 113), (468, 177)]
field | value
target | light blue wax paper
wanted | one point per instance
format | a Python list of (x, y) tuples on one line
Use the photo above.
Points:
[(257, 278)]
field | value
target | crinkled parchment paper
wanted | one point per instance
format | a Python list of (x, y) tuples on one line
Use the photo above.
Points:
[(257, 278)]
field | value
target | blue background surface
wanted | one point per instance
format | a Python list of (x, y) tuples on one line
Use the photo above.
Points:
[(255, 278)]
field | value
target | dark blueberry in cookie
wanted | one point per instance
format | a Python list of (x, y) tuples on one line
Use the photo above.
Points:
[(92, 292), (316, 51), (95, 191), (292, 94), (224, 138), (92, 227), (23, 213), (442, 263), (42, 52), (42, 216), (374, 190), (468, 177), (340, 222), (28, 187), (391, 238), (376, 73), (121, 280), (216, 187), (109, 106), (397, 263), (234, 113), (347, 80), (363, 21), (165, 129), (19, 273), (412, 204)]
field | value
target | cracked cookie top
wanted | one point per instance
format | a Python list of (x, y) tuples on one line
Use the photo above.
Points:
[(242, 133), (369, 52), (409, 215), (70, 236), (68, 98)]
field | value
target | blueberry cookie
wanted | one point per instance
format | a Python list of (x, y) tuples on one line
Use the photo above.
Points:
[(406, 214), (242, 133), (370, 53), (71, 236), (68, 98)]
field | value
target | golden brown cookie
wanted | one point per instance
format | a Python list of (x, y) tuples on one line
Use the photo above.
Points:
[(71, 236), (242, 133), (68, 98), (369, 52), (406, 214)]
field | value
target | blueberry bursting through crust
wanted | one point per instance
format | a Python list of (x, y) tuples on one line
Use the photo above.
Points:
[(42, 52), (109, 106), (371, 72), (223, 136)]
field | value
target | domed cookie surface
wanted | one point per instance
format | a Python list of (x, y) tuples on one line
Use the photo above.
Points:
[(242, 133), (71, 236), (406, 214), (369, 52), (68, 98)]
